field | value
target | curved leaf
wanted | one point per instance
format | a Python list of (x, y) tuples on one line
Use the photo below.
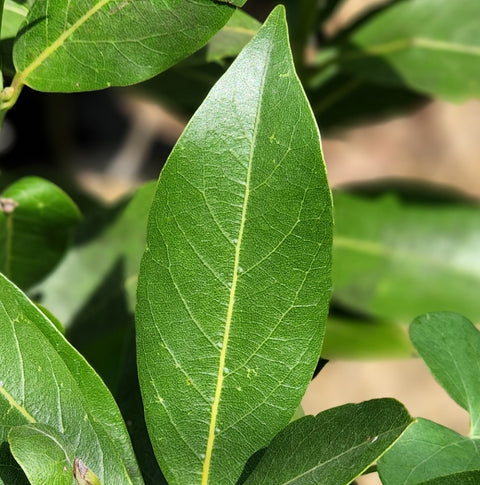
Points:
[(43, 454), (450, 346), (93, 44), (334, 447), (44, 380), (36, 226), (426, 451), (234, 285)]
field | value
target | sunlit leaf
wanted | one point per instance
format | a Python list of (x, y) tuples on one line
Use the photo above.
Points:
[(234, 285)]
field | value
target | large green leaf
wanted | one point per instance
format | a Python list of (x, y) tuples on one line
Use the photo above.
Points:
[(398, 255), (334, 447), (450, 346), (36, 226), (93, 44), (45, 381), (43, 453), (234, 285), (426, 451), (463, 478), (429, 45)]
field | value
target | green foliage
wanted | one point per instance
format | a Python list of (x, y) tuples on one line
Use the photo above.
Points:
[(238, 251), (235, 281), (450, 346)]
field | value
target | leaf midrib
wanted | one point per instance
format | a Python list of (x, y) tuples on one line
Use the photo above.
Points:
[(22, 76), (236, 266)]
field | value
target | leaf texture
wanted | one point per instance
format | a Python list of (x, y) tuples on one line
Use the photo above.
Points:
[(93, 44), (44, 380), (235, 282)]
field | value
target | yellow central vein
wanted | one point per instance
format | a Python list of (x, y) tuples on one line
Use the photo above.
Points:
[(226, 335), (14, 404), (23, 75)]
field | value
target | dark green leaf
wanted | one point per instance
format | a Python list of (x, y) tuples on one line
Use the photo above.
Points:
[(43, 453), (464, 478), (425, 451), (397, 256), (450, 346), (436, 54), (83, 45), (334, 447), (36, 226), (45, 381), (351, 338), (234, 285)]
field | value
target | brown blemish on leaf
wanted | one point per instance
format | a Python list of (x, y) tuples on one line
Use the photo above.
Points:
[(116, 9), (7, 206)]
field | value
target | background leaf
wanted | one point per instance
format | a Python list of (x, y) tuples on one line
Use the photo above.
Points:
[(464, 478), (426, 451), (57, 388), (234, 285), (450, 346), (334, 447), (36, 227), (78, 46), (398, 255), (43, 454), (407, 45)]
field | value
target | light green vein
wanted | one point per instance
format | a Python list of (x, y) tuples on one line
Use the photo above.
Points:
[(15, 405), (22, 76)]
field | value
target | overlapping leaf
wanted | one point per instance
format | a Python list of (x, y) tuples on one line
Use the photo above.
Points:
[(43, 380), (36, 226), (234, 285), (92, 44), (334, 447)]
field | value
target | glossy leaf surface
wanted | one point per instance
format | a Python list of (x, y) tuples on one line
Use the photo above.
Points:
[(57, 388), (407, 45), (334, 447), (450, 346), (427, 451), (397, 256), (36, 226), (43, 454), (234, 285), (93, 44)]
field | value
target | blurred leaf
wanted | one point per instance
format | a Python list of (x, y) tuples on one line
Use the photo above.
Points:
[(350, 338), (232, 38), (334, 447), (426, 451), (407, 45), (340, 100), (14, 14), (450, 346), (397, 255), (43, 454), (80, 46), (93, 290), (45, 381), (234, 285), (36, 226)]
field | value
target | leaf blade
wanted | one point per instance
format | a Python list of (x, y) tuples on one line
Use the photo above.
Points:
[(224, 247), (67, 38)]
